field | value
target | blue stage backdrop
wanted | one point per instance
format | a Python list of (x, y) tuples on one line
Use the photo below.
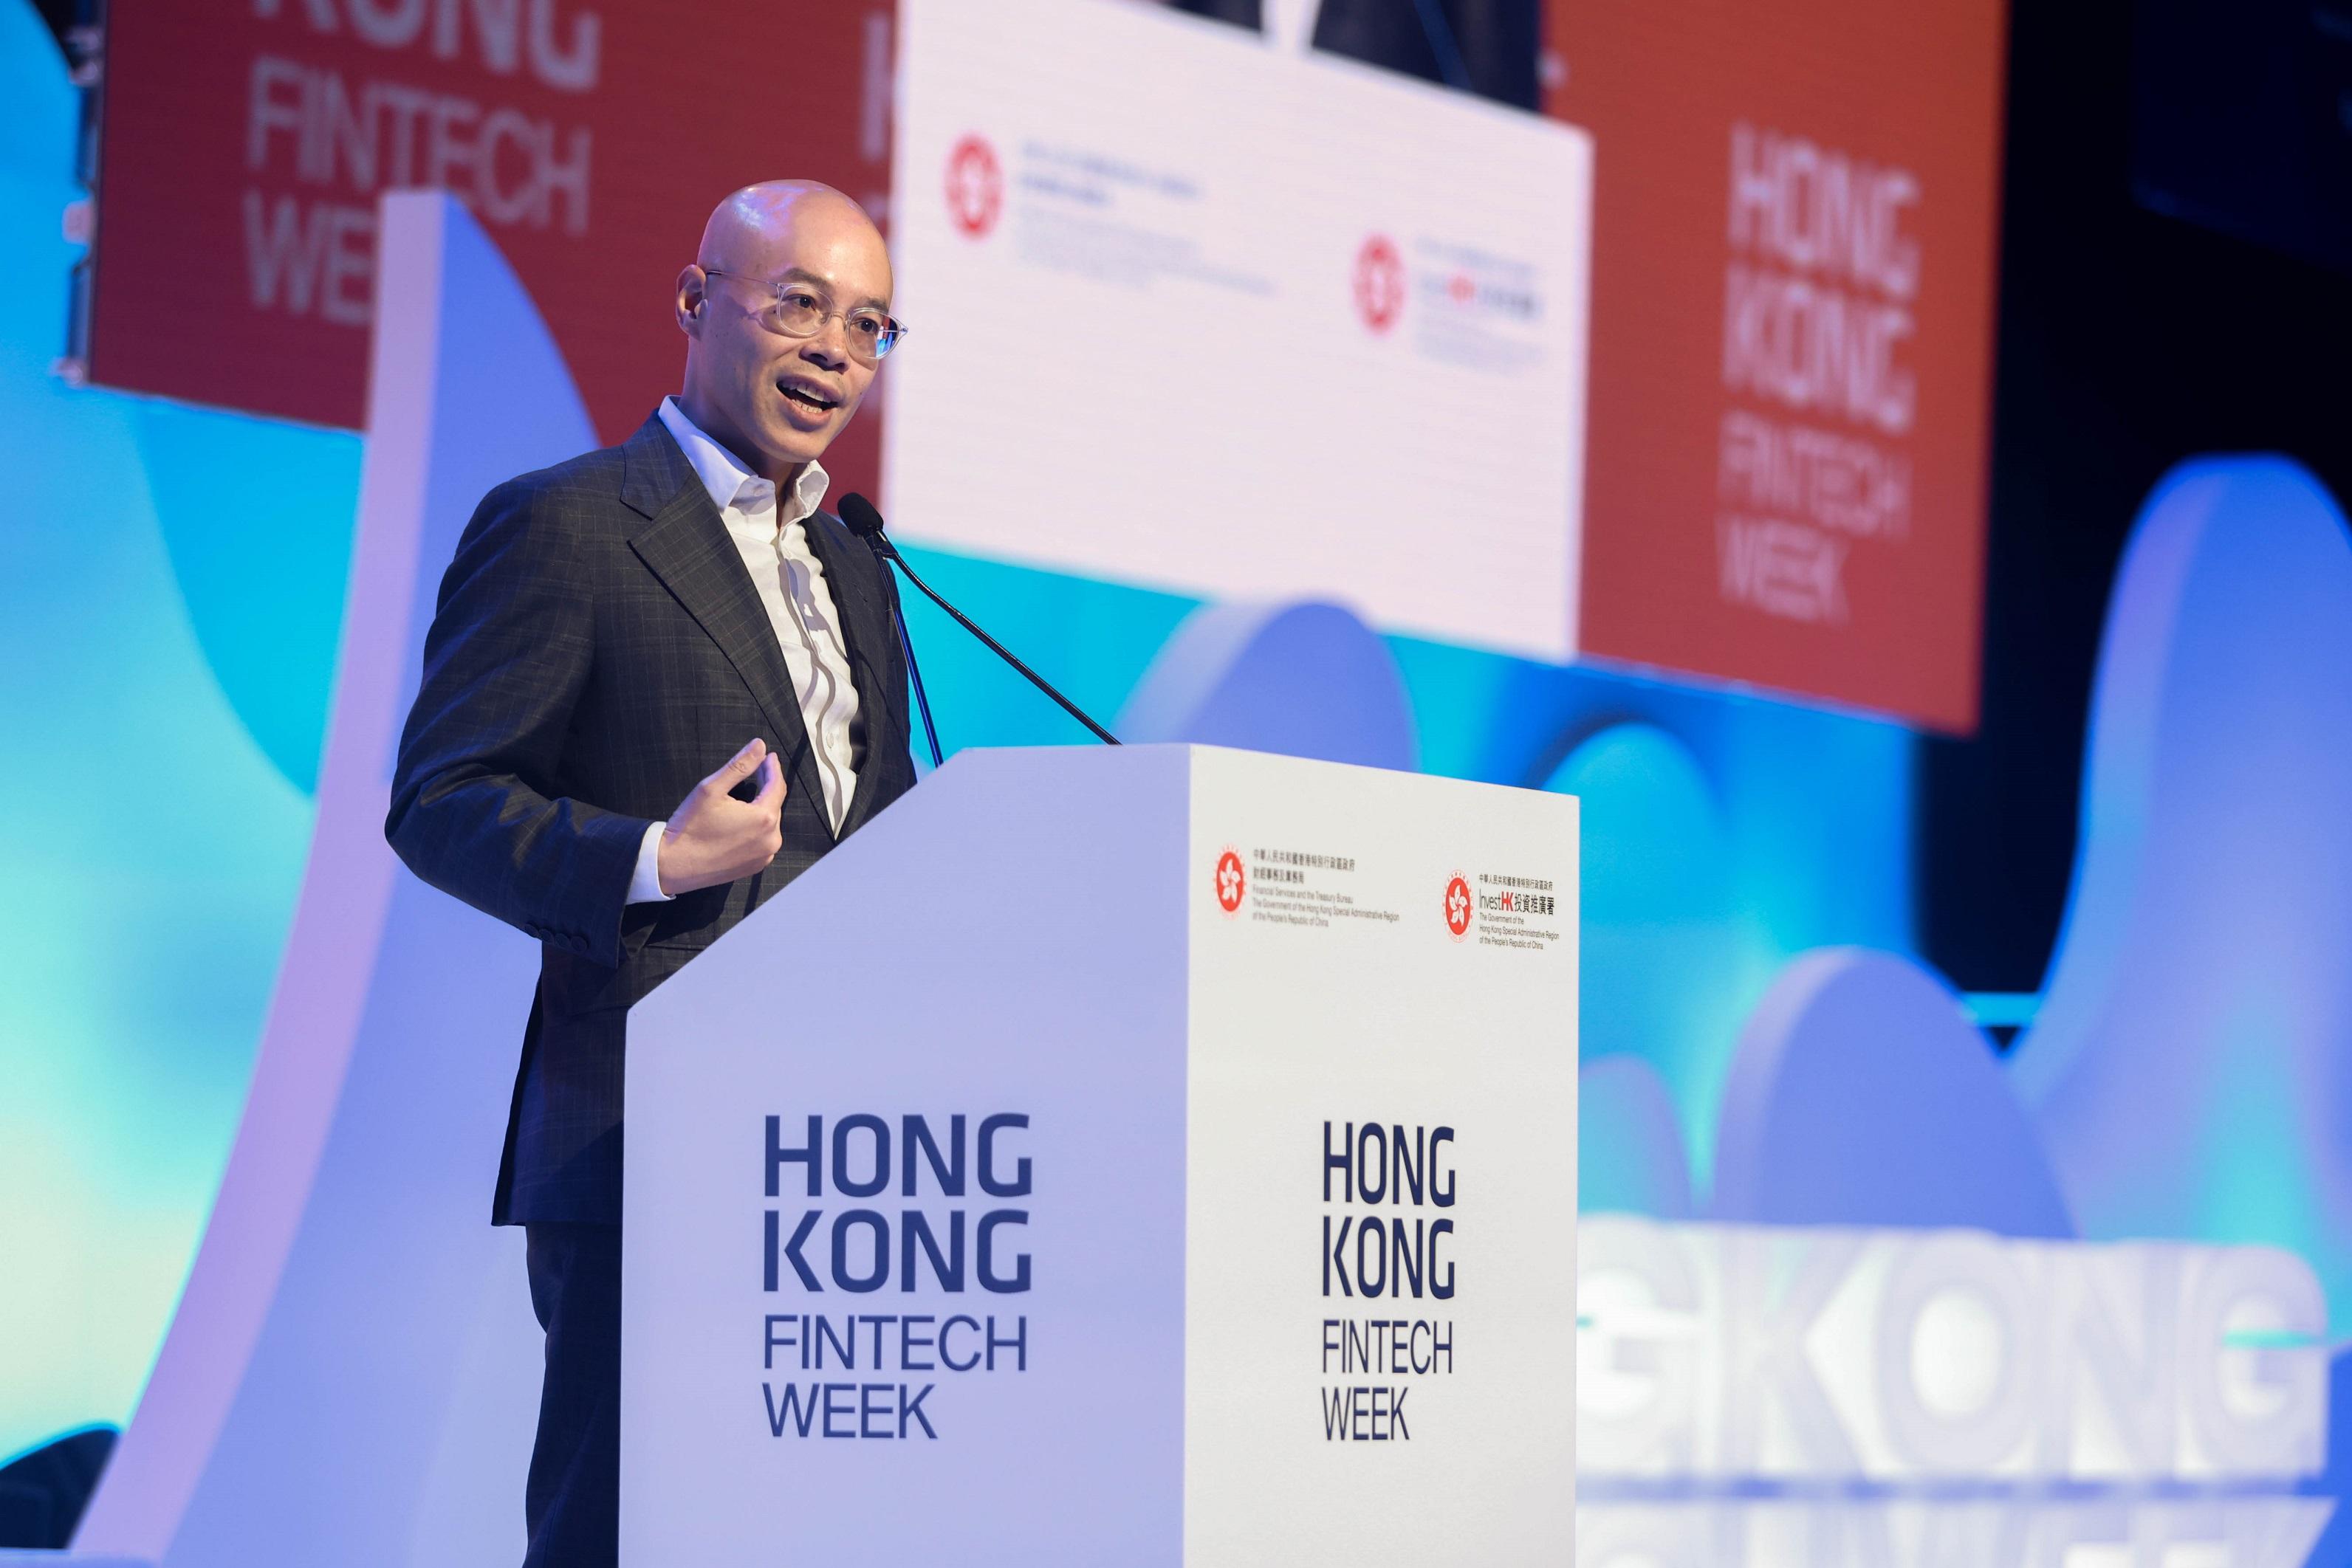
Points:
[(171, 599), (171, 587)]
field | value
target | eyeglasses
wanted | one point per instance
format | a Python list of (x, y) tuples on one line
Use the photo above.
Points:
[(799, 312)]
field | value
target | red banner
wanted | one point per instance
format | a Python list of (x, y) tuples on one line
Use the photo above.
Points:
[(1794, 212), (244, 145)]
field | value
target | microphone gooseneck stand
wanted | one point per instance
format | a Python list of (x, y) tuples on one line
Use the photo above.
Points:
[(866, 522), (915, 673)]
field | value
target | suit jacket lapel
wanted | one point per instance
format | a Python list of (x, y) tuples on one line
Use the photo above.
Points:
[(687, 545), (855, 578)]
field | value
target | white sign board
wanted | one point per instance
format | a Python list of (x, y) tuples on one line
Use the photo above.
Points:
[(1198, 312), (1163, 1155)]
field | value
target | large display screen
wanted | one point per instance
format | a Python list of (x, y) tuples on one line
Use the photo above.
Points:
[(1198, 313), (244, 145), (1688, 373)]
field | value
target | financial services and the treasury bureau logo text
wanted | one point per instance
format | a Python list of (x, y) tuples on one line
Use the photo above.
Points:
[(940, 1237), (975, 187), (1230, 881)]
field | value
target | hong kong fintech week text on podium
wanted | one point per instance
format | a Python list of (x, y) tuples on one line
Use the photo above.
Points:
[(1153, 1155)]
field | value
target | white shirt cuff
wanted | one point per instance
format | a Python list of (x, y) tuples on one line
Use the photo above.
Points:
[(644, 885)]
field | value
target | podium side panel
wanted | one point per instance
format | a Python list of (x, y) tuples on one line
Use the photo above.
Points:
[(1007, 941), (1381, 1283)]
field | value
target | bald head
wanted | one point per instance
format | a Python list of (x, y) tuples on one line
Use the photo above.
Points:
[(777, 399), (745, 229)]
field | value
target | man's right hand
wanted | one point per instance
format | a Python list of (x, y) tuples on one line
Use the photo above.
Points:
[(712, 837)]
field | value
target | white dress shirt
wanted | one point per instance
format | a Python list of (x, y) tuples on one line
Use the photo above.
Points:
[(791, 581)]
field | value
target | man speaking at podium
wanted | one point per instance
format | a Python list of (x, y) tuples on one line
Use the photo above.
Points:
[(659, 683)]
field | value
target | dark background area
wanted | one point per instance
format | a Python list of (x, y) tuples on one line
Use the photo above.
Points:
[(2128, 340), (2242, 122), (2170, 168)]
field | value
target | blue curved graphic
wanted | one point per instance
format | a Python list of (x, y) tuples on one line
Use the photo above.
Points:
[(1659, 907), (391, 1034), (1307, 680), (1862, 1095), (150, 847), (2192, 1059), (257, 520), (1630, 1157)]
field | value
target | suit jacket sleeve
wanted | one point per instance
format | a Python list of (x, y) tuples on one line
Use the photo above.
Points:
[(477, 808)]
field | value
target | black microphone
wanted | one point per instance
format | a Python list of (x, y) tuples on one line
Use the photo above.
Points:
[(867, 524)]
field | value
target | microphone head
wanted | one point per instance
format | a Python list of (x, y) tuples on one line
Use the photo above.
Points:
[(858, 513)]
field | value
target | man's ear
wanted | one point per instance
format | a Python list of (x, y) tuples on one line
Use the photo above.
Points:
[(693, 292)]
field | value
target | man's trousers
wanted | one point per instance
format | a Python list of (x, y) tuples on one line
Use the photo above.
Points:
[(571, 1501)]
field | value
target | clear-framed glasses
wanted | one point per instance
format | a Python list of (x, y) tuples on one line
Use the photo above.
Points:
[(800, 312)]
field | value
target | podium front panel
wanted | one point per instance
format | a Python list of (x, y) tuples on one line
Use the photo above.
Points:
[(1381, 1275), (975, 1190)]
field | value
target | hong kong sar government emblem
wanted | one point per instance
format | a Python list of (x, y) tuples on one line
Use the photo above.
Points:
[(1231, 882), (1457, 906)]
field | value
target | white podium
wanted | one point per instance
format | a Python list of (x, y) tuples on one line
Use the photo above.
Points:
[(1156, 1155)]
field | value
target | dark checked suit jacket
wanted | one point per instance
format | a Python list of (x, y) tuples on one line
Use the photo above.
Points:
[(596, 650)]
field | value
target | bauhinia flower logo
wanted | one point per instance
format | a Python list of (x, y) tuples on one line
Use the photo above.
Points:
[(975, 187), (1231, 882), (1379, 283), (1457, 907)]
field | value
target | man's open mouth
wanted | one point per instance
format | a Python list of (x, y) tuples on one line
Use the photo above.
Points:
[(807, 396)]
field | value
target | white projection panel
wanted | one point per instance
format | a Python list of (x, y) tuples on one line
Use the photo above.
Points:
[(1195, 311)]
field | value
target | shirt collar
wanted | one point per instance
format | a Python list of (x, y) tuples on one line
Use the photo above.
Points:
[(723, 474)]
